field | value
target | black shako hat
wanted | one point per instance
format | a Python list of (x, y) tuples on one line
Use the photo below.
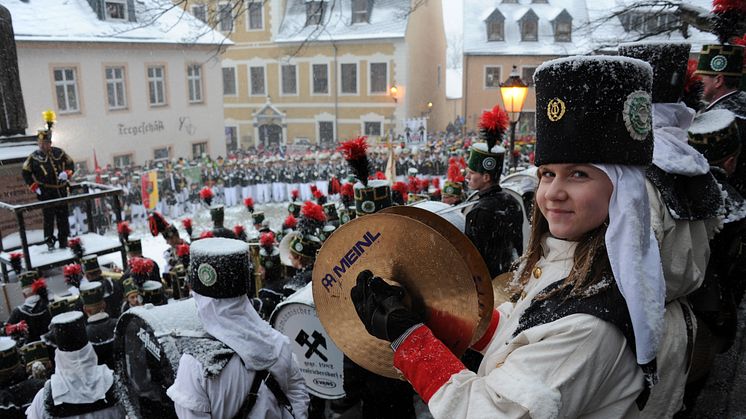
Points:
[(669, 62), (715, 134), (69, 331), (594, 109), (219, 267)]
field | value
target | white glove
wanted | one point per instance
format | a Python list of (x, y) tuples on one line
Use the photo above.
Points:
[(38, 191), (62, 176)]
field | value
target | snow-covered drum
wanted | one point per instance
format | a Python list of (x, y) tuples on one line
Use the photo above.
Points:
[(319, 358), (149, 341), (454, 217)]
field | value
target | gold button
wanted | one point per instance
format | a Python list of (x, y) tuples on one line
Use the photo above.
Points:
[(537, 272), (523, 295)]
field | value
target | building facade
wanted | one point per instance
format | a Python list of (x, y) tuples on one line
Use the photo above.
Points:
[(313, 72), (127, 79)]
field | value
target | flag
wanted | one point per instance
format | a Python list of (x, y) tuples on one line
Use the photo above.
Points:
[(391, 164), (96, 167), (149, 182)]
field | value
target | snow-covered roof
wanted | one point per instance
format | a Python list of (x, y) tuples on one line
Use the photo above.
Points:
[(157, 22), (590, 31), (14, 151), (387, 19), (454, 85)]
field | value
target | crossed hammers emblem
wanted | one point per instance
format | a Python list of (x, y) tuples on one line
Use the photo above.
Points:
[(318, 340)]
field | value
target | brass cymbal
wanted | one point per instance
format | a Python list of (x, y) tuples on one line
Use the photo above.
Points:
[(469, 253), (396, 248), (501, 287)]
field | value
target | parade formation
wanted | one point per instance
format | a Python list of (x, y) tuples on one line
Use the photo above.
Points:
[(393, 280)]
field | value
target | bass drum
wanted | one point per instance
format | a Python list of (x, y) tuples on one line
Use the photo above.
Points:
[(148, 343), (454, 217), (319, 358)]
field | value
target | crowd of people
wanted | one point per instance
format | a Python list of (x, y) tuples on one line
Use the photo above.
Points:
[(625, 292)]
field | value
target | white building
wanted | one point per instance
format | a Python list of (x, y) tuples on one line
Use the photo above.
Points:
[(136, 80)]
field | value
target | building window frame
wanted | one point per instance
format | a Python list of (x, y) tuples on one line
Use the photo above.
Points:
[(490, 81), (529, 27), (318, 130), (327, 91), (385, 89), (237, 134), (123, 160), (203, 146), (224, 15), (255, 16), (156, 82), (67, 89), (315, 12), (281, 69), (116, 5), (495, 30), (234, 93), (528, 78), (199, 11), (195, 86), (365, 127), (115, 78), (359, 11), (167, 148), (341, 83), (264, 80)]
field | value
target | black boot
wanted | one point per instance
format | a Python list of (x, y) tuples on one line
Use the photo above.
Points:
[(63, 242), (50, 240)]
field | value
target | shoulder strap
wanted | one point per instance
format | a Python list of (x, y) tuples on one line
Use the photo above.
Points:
[(269, 380)]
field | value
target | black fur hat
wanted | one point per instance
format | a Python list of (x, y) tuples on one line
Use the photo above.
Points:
[(219, 267), (69, 331), (669, 61)]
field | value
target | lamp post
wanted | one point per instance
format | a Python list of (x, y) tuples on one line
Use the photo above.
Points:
[(514, 92)]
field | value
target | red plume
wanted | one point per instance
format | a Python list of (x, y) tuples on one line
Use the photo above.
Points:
[(740, 41), (206, 235), (238, 230), (335, 186), (249, 203), (314, 189), (400, 187), (347, 190), (414, 184), (182, 250), (187, 223), (266, 240), (74, 242), (380, 175), (124, 230), (720, 6), (72, 269), (354, 149), (206, 193), (141, 266), (436, 182), (492, 125), (454, 172), (16, 256), (290, 222), (317, 194), (38, 285), (313, 211), (294, 194)]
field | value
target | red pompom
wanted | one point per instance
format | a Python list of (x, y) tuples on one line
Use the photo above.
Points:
[(334, 186), (38, 285), (436, 182), (294, 194), (720, 6), (123, 228), (313, 211), (249, 202), (290, 222), (317, 194), (187, 223), (414, 184), (495, 120), (238, 230), (206, 235), (182, 250), (740, 41), (267, 239), (74, 242), (16, 256), (454, 172), (141, 266), (354, 149), (400, 187), (380, 176), (347, 190), (206, 193), (72, 269), (314, 189)]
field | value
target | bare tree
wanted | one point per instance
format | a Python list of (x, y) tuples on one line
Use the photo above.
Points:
[(455, 50)]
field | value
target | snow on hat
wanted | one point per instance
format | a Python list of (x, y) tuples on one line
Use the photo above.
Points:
[(669, 61), (715, 134), (69, 331), (575, 96), (92, 293), (9, 357), (152, 293), (35, 351), (219, 267), (488, 157), (721, 59)]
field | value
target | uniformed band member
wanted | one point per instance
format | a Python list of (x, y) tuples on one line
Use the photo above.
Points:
[(100, 327), (582, 337), (453, 189), (17, 388), (218, 229), (495, 223), (113, 290), (132, 295), (262, 379), (47, 172), (79, 387), (31, 318)]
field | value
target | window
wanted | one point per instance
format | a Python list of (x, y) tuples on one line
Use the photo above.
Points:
[(200, 12), (157, 85), (527, 124), (198, 149), (495, 26), (231, 139), (66, 89), (194, 82), (360, 11), (320, 78), (315, 12), (491, 77), (527, 75), (225, 17), (289, 79), (116, 9), (115, 88), (256, 16), (229, 81), (326, 132), (349, 78), (257, 81), (529, 26), (161, 153), (372, 128), (563, 31), (378, 77), (123, 160)]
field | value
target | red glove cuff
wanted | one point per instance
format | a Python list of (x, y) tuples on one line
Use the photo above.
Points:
[(426, 362), (34, 186), (482, 343), (69, 173)]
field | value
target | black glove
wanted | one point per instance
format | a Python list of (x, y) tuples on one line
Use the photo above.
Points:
[(380, 308)]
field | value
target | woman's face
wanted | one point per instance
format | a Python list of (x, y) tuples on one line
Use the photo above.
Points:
[(574, 198)]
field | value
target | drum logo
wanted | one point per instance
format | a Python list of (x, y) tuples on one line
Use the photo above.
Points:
[(350, 257), (151, 346)]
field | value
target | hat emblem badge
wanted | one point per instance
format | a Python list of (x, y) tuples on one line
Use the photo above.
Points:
[(556, 109), (298, 247), (368, 206), (207, 275), (718, 63), (638, 114), (489, 163)]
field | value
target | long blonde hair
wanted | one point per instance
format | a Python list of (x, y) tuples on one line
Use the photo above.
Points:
[(590, 262)]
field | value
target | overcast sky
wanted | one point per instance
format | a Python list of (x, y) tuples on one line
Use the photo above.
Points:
[(452, 15)]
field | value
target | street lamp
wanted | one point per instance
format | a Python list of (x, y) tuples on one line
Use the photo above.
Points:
[(514, 92), (394, 91)]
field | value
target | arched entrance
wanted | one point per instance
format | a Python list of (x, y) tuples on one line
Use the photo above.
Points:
[(270, 135), (269, 125)]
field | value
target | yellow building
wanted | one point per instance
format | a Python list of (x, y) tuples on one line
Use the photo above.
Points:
[(317, 71)]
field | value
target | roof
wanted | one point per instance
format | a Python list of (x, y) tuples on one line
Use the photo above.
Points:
[(158, 21), (388, 19), (586, 37)]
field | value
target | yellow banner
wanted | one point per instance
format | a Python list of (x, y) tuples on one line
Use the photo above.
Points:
[(150, 189)]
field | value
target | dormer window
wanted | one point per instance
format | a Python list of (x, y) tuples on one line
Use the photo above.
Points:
[(495, 26), (361, 11), (510, 1), (315, 12), (115, 9), (529, 24), (562, 27), (539, 1)]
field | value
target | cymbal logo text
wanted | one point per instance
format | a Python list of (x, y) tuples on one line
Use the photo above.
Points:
[(349, 259)]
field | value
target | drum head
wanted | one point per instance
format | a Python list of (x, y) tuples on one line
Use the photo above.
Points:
[(438, 281)]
